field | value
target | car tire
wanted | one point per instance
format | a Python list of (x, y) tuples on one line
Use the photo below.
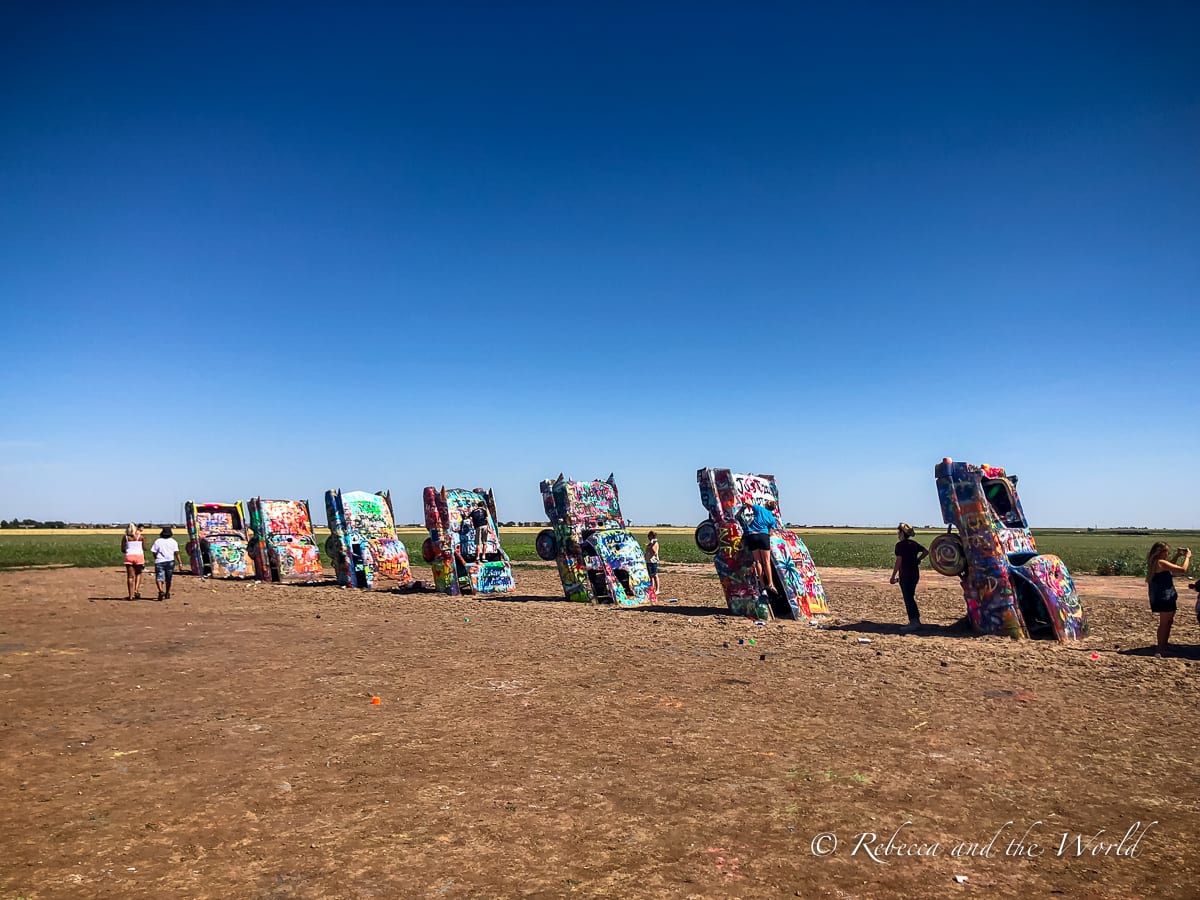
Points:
[(546, 544), (429, 550), (947, 555), (708, 536)]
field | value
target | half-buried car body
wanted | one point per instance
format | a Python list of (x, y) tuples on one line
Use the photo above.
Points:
[(218, 545), (724, 494), (362, 539), (1010, 588), (283, 546), (598, 559), (459, 566)]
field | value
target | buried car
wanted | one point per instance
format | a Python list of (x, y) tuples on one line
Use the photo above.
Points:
[(1010, 587), (598, 559), (218, 545), (283, 546), (459, 565), (724, 494), (362, 539)]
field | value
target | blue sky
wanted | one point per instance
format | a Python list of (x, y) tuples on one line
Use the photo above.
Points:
[(276, 248)]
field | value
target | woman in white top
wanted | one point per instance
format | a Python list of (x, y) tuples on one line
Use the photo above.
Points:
[(135, 560)]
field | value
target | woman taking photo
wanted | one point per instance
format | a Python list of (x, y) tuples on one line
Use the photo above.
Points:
[(1160, 577)]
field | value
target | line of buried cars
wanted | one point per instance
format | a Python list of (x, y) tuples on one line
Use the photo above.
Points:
[(1009, 587)]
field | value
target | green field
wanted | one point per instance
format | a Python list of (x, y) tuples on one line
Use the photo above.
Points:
[(1099, 552)]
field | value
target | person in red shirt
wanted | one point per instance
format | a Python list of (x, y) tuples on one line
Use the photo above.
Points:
[(907, 571)]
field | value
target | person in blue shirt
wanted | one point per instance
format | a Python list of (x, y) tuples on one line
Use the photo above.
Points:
[(758, 520)]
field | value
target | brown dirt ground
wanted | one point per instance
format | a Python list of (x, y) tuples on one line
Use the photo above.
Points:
[(224, 744)]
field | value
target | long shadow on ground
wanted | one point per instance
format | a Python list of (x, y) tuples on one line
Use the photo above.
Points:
[(959, 629), (683, 610), (514, 598), (1176, 651)]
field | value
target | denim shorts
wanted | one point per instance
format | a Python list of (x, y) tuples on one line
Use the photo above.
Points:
[(162, 571)]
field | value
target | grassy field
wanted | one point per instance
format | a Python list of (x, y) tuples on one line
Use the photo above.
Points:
[(1099, 552)]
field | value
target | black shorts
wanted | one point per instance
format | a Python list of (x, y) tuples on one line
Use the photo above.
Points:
[(1164, 603), (758, 541)]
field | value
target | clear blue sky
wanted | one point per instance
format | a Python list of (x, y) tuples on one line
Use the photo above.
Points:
[(276, 248)]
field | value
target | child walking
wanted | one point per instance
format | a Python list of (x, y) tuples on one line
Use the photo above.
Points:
[(166, 557)]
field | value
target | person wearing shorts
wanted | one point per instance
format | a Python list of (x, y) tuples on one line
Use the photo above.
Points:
[(758, 521), (135, 560), (652, 559), (166, 557), (1161, 567), (479, 520)]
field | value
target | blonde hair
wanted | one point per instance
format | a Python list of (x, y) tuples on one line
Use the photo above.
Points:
[(131, 531), (906, 530), (1157, 552)]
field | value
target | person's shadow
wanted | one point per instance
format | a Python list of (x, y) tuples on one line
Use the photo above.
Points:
[(960, 629), (516, 598), (680, 609), (1176, 651)]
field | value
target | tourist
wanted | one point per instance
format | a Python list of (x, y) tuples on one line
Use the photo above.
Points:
[(907, 570), (759, 520), (652, 559), (479, 519), (1160, 578), (135, 560), (166, 557)]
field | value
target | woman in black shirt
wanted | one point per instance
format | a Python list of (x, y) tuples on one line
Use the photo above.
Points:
[(907, 571)]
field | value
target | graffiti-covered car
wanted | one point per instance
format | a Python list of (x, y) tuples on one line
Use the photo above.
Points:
[(218, 545), (282, 543), (1010, 588), (598, 559), (362, 539), (724, 494), (462, 564)]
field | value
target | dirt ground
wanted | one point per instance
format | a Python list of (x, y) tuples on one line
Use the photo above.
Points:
[(224, 744)]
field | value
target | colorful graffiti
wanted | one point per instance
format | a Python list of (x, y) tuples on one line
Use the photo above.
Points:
[(598, 559), (217, 544), (1009, 588), (282, 543), (459, 565), (724, 494), (362, 539)]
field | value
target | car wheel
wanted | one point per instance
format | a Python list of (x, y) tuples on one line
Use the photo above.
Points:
[(546, 544), (429, 550), (708, 537), (947, 555)]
